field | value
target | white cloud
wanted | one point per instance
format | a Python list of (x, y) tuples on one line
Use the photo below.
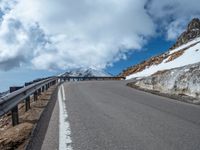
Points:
[(64, 34), (84, 33), (173, 15), (18, 43), (175, 28)]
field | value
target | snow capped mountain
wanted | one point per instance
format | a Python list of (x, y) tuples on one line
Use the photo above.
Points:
[(82, 72), (184, 52)]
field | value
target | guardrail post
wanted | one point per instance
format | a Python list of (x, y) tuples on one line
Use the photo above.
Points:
[(27, 103), (35, 96), (39, 91), (14, 111), (42, 88), (46, 87), (15, 116)]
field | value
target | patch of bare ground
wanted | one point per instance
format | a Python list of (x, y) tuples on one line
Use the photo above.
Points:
[(18, 136)]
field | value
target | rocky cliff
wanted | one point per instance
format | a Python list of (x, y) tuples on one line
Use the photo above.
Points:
[(192, 32)]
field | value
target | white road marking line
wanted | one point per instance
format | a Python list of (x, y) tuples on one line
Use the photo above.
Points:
[(64, 126)]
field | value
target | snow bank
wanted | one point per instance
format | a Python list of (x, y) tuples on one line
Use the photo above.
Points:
[(183, 80)]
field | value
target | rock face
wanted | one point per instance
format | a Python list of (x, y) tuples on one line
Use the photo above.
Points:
[(192, 32), (179, 81)]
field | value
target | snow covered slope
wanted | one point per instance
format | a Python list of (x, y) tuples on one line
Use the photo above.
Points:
[(190, 55), (87, 73)]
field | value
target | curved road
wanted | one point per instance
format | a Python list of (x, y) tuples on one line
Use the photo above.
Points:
[(108, 115)]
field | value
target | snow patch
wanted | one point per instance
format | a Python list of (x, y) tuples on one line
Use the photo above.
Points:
[(185, 45)]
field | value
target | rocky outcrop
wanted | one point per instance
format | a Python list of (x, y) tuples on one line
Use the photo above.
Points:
[(179, 81), (192, 32)]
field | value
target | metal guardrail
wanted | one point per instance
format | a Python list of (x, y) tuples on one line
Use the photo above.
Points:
[(10, 102)]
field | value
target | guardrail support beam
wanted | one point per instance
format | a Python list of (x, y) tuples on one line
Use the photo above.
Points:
[(15, 116), (27, 103)]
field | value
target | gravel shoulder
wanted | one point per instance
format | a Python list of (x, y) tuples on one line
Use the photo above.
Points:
[(18, 137)]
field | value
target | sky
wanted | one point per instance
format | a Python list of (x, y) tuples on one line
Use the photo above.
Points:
[(41, 38)]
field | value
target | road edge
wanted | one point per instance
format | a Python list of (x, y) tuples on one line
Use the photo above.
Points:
[(185, 99), (39, 131)]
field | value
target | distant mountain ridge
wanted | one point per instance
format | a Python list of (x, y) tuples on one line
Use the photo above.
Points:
[(87, 72), (2, 94)]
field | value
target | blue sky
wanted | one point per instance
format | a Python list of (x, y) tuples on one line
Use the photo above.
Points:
[(41, 38), (155, 46)]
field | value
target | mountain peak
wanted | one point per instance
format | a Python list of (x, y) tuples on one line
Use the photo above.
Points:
[(192, 32), (87, 72), (194, 24)]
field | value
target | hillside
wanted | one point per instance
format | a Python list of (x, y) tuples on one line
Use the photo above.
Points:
[(185, 51)]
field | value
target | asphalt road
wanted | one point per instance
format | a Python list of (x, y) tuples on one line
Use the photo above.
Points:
[(108, 115)]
